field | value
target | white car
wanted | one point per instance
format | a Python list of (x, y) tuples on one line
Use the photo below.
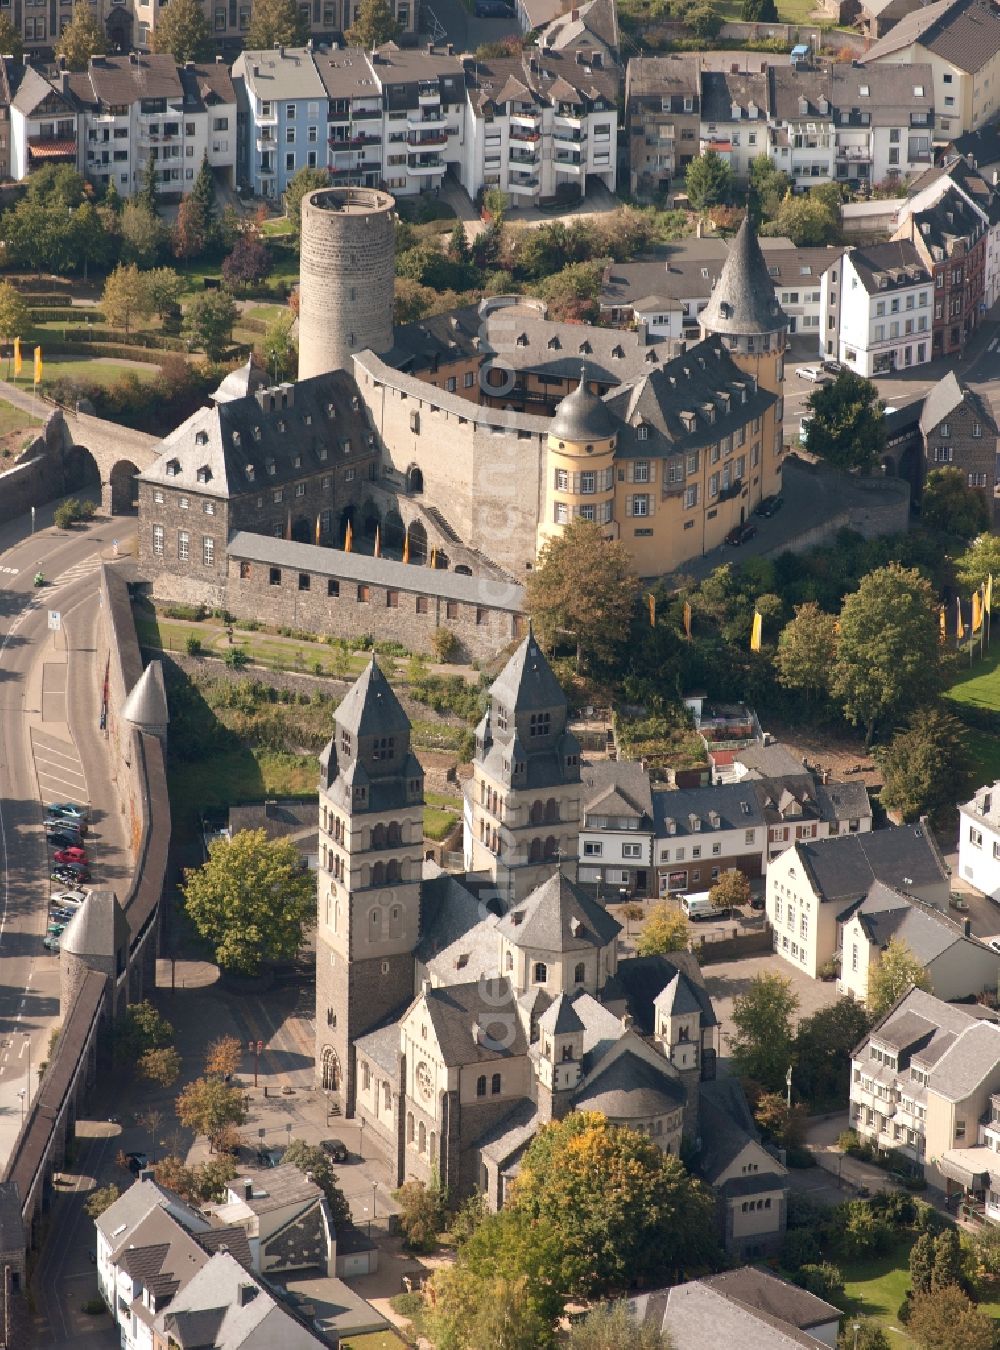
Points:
[(71, 899), (814, 373)]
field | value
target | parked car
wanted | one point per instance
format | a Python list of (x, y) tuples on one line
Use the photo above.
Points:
[(136, 1162), (56, 929), (833, 367), (336, 1149), (268, 1157), (770, 506), (815, 374), (71, 874), (69, 809), (63, 825), (72, 854), (62, 914), (50, 943), (739, 534), (71, 899), (63, 839), (493, 9)]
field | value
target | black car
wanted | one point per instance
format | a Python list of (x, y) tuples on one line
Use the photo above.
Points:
[(493, 9), (59, 840), (71, 874), (770, 506), (739, 534), (336, 1149), (136, 1162), (832, 367)]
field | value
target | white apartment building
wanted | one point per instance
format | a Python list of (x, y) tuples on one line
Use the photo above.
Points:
[(979, 841), (44, 125), (877, 302)]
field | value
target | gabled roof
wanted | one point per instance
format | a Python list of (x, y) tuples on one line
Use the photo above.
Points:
[(966, 33), (763, 1290), (887, 267), (697, 1315), (743, 302), (527, 682), (120, 1219), (631, 1088), (616, 787), (467, 1024), (98, 928), (559, 916), (371, 708), (560, 1019), (844, 867), (945, 397), (640, 979)]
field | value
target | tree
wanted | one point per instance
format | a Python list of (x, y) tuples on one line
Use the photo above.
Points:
[(421, 1214), (208, 323), (144, 236), (947, 1259), (304, 182), (203, 194), (922, 1264), (224, 1057), (822, 1051), (91, 240), (611, 1326), (149, 190), (81, 39), (980, 560), (889, 656), (165, 289), (807, 650), (786, 1126), (140, 1028), (926, 767), (946, 1319), (375, 24), (252, 900), (11, 41), (101, 1199), (665, 930), (248, 263), (311, 1159), (761, 1048), (949, 504), (823, 1279), (212, 1178), (15, 315), (173, 1173), (275, 23), (863, 1335), (847, 427), (731, 891), (126, 297), (161, 1066), (207, 1106), (458, 245), (57, 185), (769, 186), (279, 351), (583, 585), (807, 220), (704, 21), (895, 971), (623, 1210), (572, 292), (190, 234), (183, 31), (491, 1312), (760, 11), (708, 181)]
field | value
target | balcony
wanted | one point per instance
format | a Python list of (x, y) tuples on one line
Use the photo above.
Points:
[(434, 138), (529, 120), (854, 154), (525, 187), (425, 168), (414, 122), (567, 120), (574, 138), (263, 143), (427, 98), (521, 135), (267, 119), (353, 142), (523, 157), (266, 171), (573, 166), (365, 114)]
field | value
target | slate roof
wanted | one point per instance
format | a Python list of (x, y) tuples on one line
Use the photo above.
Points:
[(239, 383), (427, 342), (981, 147), (549, 347), (276, 1188), (98, 928), (160, 1254), (725, 1127), (33, 88), (678, 998), (471, 956), (505, 1142), (965, 33), (985, 805), (736, 804), (371, 707), (448, 911), (381, 1047), (630, 1088), (581, 415), (743, 301), (760, 1289), (942, 224), (527, 682), (456, 1009), (660, 77), (617, 787), (558, 916), (120, 1219), (146, 704), (945, 397), (884, 914), (697, 1315), (896, 262), (640, 979), (561, 1018), (720, 90), (973, 1057), (119, 80), (903, 856)]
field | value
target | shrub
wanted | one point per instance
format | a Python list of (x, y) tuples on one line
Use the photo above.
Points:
[(799, 1248), (848, 1141), (823, 1279), (193, 613), (830, 969), (445, 645), (93, 1306), (192, 644), (236, 658)]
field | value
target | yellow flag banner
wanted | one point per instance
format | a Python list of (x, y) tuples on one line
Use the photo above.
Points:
[(38, 365), (348, 538), (317, 527), (687, 618), (977, 612), (406, 545), (944, 624), (652, 609), (960, 626), (18, 361), (378, 543), (989, 594), (755, 631), (434, 557)]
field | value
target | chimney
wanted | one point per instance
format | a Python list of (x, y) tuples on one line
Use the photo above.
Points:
[(256, 71), (425, 987), (430, 49), (247, 1294), (62, 63), (219, 59), (450, 49), (967, 928), (247, 1189), (287, 394), (642, 333), (279, 48), (189, 65), (133, 58), (626, 1021)]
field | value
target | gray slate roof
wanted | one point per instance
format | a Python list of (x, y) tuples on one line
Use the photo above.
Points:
[(845, 866), (381, 1047), (581, 416), (630, 1088), (946, 397), (558, 916), (736, 805), (964, 1065), (885, 914), (965, 33), (890, 266), (561, 1018), (616, 787), (146, 705), (98, 928), (122, 1217), (743, 302), (697, 1316), (527, 682), (371, 708), (764, 1291), (455, 1010), (639, 980)]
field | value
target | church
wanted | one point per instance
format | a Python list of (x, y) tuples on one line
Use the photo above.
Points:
[(457, 1014)]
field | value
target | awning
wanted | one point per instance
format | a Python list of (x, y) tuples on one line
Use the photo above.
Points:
[(968, 1166), (52, 149)]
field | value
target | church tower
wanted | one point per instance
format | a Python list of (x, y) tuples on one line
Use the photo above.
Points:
[(524, 816), (744, 312), (371, 799)]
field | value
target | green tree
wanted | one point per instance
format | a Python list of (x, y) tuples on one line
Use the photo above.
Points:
[(761, 1047), (279, 352), (785, 1125), (889, 655), (949, 504), (892, 974), (807, 650), (224, 1057), (760, 11), (624, 1210), (91, 240), (611, 1326), (863, 1335), (183, 31), (100, 1200), (708, 181), (57, 185), (572, 292), (947, 1319), (822, 1051), (847, 427), (161, 1066), (807, 220), (149, 191), (209, 1106), (203, 193), (704, 21), (947, 1259), (212, 1178), (144, 236), (421, 1214), (11, 41), (305, 181), (980, 560), (731, 891), (81, 39), (208, 323), (926, 767), (311, 1159), (769, 186), (140, 1028), (275, 23), (665, 930), (190, 235), (165, 288), (823, 1279), (126, 297), (583, 586), (15, 315), (922, 1264), (374, 25), (252, 901), (458, 245)]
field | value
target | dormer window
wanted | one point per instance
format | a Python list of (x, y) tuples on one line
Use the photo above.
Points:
[(618, 352), (204, 474), (331, 411), (522, 340), (642, 432), (173, 468), (256, 433), (201, 438), (236, 438), (553, 344), (297, 461), (249, 473), (308, 419), (585, 348), (270, 466), (282, 425)]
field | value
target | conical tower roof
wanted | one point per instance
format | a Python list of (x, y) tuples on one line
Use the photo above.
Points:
[(561, 1019), (146, 705), (371, 708), (526, 682), (743, 302)]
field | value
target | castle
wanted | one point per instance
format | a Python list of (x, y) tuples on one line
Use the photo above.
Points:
[(418, 471)]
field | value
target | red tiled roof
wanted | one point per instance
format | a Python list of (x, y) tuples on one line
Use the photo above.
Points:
[(51, 149)]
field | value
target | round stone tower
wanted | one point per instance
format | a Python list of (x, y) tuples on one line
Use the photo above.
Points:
[(744, 312), (346, 275), (580, 457)]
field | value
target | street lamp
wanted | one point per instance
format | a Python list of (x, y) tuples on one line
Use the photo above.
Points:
[(27, 1042), (20, 1093), (788, 1085), (857, 1328)]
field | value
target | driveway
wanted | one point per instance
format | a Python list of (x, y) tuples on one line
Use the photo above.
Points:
[(729, 979)]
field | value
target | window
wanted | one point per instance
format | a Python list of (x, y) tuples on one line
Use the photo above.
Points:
[(451, 609), (495, 1085), (274, 576), (333, 589), (157, 541), (592, 849), (975, 837), (631, 850), (183, 545), (208, 551), (363, 595), (422, 604), (541, 972), (481, 1085)]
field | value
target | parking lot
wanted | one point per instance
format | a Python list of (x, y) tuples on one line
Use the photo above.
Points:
[(728, 979)]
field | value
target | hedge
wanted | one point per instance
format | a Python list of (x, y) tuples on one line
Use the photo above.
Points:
[(251, 325), (59, 315), (104, 349), (153, 341)]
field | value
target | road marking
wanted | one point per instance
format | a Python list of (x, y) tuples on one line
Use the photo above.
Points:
[(63, 770), (70, 755)]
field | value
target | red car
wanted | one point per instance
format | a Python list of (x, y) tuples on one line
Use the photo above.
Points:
[(70, 855)]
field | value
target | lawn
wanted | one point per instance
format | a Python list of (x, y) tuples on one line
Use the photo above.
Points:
[(97, 371), (789, 11), (978, 687), (239, 775), (439, 823), (374, 1340), (14, 419), (282, 225)]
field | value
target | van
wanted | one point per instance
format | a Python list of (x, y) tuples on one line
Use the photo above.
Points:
[(698, 906)]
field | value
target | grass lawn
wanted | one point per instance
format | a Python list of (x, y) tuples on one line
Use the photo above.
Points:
[(374, 1340), (238, 775), (277, 227), (789, 11), (438, 823), (266, 313), (978, 686), (875, 1288), (14, 419), (102, 370)]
